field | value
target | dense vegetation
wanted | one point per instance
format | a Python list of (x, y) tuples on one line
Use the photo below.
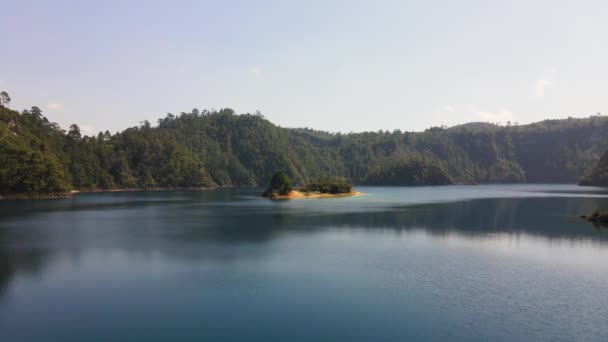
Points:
[(598, 176), (220, 148), (413, 169), (31, 156), (328, 185), (280, 184)]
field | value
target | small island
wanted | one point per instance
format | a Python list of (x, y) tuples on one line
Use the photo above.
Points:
[(324, 187), (596, 218)]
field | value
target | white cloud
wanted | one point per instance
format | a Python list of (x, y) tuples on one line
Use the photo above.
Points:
[(502, 115), (54, 106), (256, 71), (448, 108), (539, 87)]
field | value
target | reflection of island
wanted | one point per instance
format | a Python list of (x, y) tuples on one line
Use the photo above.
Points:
[(324, 187)]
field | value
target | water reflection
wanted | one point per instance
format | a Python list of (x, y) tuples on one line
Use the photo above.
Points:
[(547, 217), (230, 224), (12, 263)]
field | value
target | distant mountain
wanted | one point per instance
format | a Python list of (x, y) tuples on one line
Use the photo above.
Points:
[(221, 148), (476, 126)]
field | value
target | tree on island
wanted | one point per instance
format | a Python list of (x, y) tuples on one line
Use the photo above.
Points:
[(329, 185), (280, 184)]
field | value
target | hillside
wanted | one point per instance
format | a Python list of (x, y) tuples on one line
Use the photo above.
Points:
[(221, 148), (598, 176), (31, 156)]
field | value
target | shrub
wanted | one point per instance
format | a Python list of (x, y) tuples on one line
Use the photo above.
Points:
[(280, 184)]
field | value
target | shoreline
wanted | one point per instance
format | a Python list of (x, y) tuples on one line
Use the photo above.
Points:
[(296, 194), (20, 196), (147, 189), (69, 194)]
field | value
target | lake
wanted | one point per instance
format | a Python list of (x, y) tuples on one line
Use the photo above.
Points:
[(457, 263)]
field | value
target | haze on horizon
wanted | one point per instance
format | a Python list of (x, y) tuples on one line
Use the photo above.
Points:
[(335, 66)]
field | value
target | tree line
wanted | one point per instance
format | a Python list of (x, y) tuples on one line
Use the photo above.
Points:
[(221, 148)]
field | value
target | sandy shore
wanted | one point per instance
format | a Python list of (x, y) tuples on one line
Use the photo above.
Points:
[(295, 194)]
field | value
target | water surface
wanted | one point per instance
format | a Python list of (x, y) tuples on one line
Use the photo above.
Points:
[(459, 263)]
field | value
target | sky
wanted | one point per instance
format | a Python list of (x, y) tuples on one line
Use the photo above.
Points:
[(331, 65)]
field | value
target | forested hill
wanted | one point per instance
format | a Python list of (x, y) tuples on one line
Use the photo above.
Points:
[(598, 176), (220, 148)]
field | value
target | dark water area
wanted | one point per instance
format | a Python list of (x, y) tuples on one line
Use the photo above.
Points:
[(458, 263)]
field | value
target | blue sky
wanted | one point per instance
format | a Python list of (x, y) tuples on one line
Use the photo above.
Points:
[(332, 65)]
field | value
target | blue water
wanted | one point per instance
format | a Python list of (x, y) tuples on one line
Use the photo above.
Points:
[(457, 263)]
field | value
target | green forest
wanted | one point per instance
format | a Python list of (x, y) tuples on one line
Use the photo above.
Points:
[(212, 148), (597, 176)]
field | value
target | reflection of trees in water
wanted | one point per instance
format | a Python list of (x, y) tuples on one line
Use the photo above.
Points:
[(546, 217), (13, 263), (118, 200), (224, 233)]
